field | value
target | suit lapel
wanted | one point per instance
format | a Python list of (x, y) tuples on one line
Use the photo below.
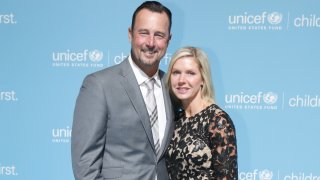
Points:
[(130, 84), (169, 117)]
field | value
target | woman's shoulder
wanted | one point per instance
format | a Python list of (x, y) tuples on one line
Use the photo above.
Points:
[(219, 113), (217, 110)]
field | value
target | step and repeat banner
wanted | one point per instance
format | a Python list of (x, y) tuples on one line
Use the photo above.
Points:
[(265, 59)]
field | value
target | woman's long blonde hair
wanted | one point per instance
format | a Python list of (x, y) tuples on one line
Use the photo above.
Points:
[(201, 58)]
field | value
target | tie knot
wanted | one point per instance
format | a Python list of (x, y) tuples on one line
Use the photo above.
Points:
[(150, 83)]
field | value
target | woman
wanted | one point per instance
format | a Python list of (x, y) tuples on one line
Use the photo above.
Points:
[(204, 141)]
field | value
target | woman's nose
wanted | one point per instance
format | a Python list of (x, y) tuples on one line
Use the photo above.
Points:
[(181, 78)]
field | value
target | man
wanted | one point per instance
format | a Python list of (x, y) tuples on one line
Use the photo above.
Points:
[(112, 136)]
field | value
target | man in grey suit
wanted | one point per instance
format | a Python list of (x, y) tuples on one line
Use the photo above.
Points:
[(112, 136)]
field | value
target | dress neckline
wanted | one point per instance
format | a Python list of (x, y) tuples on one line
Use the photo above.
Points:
[(197, 114)]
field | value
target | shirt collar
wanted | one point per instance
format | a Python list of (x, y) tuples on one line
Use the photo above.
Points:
[(141, 76)]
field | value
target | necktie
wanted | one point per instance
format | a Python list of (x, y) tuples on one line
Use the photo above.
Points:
[(153, 113)]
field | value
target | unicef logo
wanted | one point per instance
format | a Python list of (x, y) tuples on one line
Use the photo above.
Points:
[(275, 18), (270, 97), (95, 55), (265, 175)]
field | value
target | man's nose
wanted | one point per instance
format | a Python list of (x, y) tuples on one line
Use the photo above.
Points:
[(150, 41)]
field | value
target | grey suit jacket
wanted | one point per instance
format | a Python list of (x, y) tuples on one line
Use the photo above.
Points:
[(111, 133)]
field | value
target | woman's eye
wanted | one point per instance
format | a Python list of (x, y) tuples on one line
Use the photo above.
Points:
[(175, 72), (190, 73)]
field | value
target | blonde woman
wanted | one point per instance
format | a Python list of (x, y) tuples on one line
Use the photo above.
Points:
[(204, 141)]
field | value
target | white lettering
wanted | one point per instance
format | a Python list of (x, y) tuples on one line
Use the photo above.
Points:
[(304, 21), (306, 101), (8, 170), (301, 176), (244, 98), (8, 96), (70, 56), (7, 19), (120, 58), (248, 19), (248, 175), (64, 132), (166, 59)]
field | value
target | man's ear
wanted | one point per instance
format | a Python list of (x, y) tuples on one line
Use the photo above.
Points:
[(130, 34), (169, 39)]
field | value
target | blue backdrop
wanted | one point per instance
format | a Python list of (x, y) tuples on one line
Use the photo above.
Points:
[(265, 66)]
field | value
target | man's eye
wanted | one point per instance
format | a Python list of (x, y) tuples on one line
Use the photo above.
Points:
[(160, 35)]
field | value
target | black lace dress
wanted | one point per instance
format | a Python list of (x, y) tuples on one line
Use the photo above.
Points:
[(203, 147)]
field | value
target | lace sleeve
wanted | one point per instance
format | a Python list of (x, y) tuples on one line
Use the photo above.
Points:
[(224, 147)]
